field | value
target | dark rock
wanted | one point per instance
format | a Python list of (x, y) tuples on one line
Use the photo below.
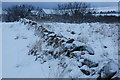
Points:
[(34, 23), (79, 34), (30, 22), (85, 71), (105, 46), (62, 40), (68, 54), (32, 52), (79, 66), (80, 48), (50, 32), (70, 41), (91, 53), (72, 32)]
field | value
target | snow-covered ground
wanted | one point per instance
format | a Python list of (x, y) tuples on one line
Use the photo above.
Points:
[(18, 39), (106, 9), (107, 14), (16, 63)]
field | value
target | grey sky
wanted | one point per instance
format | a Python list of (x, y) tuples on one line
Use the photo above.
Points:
[(54, 4)]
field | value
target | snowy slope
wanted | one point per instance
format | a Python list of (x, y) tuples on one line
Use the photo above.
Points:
[(18, 39), (100, 36), (16, 62)]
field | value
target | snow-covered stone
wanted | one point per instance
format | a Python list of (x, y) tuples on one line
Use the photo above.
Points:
[(77, 44), (89, 49), (77, 53), (52, 35), (85, 69), (90, 63), (68, 46)]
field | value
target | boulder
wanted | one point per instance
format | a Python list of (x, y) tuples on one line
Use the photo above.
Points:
[(79, 46), (90, 63), (109, 69)]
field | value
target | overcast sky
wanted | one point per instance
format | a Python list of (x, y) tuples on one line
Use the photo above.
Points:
[(54, 4)]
